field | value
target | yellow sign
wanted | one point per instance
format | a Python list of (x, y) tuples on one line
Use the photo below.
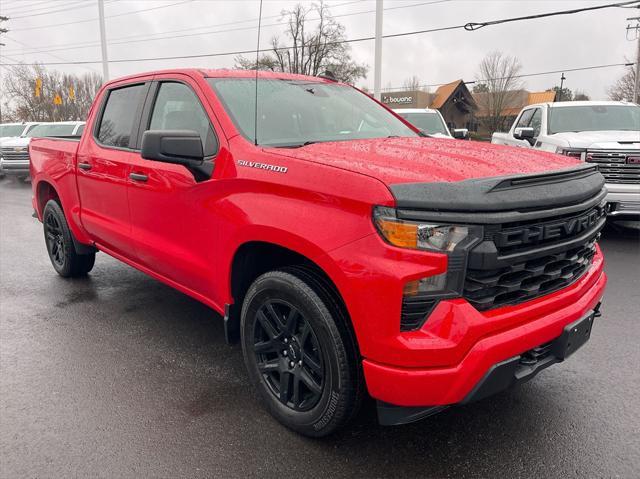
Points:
[(72, 93), (57, 100), (38, 87)]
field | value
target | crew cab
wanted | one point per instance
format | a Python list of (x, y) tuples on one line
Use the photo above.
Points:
[(346, 252), (14, 152), (605, 133), (430, 122)]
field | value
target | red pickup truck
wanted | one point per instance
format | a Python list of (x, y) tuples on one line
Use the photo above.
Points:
[(347, 253)]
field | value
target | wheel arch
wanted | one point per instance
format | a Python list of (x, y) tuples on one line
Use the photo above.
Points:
[(254, 258), (45, 191)]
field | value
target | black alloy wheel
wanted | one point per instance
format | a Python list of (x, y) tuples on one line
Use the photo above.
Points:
[(288, 355), (59, 241), (299, 351), (54, 239)]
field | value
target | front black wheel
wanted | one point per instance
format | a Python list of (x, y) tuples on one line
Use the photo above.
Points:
[(297, 356), (62, 253)]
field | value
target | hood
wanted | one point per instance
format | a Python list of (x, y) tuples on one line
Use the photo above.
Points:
[(17, 142), (411, 160), (609, 140)]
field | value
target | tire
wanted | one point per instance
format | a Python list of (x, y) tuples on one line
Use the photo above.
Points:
[(59, 241), (298, 352)]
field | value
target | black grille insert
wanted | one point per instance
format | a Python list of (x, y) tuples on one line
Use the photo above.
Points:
[(414, 312), (527, 279)]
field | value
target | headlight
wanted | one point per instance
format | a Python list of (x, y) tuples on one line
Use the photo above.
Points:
[(572, 152), (420, 296), (437, 237)]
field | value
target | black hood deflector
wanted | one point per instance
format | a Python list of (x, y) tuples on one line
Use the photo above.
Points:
[(496, 194)]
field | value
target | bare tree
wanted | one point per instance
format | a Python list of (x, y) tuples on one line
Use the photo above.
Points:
[(37, 94), (309, 52), (498, 73), (412, 83), (579, 95), (622, 89)]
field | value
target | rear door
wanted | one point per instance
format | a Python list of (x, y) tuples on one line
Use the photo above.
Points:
[(104, 161), (172, 224)]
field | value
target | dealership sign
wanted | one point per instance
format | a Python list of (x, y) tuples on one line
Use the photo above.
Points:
[(397, 100)]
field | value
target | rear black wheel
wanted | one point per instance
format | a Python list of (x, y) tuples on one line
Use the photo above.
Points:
[(59, 241), (299, 360)]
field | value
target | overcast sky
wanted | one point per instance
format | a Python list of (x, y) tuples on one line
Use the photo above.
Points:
[(565, 42)]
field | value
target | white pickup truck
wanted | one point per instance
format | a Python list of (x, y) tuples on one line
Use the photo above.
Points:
[(602, 132)]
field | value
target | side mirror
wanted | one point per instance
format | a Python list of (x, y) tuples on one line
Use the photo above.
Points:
[(523, 133), (182, 147), (460, 133)]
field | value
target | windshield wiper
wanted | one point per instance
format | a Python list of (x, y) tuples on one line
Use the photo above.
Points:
[(299, 145)]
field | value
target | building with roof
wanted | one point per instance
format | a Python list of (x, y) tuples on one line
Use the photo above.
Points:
[(514, 100), (454, 101), (462, 109)]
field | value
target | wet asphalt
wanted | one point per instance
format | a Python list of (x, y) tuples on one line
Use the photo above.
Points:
[(118, 375)]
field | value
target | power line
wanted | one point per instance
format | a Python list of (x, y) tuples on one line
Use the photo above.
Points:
[(355, 40), (2, 54), (477, 26), (526, 75), (107, 16), (29, 12), (125, 40), (173, 31), (22, 5)]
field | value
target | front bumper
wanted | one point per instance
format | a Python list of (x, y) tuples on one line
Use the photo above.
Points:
[(624, 200), (438, 386), (505, 374), (14, 167)]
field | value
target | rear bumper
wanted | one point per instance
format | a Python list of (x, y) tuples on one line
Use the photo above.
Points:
[(441, 386)]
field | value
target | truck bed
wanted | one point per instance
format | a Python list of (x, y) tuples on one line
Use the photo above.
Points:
[(55, 158)]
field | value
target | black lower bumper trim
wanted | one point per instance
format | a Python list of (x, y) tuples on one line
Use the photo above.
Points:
[(505, 374)]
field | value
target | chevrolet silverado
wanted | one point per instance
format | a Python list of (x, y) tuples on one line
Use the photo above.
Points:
[(346, 252)]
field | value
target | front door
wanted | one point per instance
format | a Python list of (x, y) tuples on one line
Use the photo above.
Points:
[(173, 230)]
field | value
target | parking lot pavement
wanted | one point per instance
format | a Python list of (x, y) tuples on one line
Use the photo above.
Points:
[(120, 376)]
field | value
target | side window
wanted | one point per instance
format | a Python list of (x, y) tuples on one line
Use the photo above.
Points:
[(118, 116), (177, 108), (523, 121), (80, 130), (536, 122)]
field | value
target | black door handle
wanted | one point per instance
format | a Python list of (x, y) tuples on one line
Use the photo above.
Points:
[(138, 176), (84, 166)]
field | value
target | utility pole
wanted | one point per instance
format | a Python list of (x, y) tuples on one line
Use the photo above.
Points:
[(103, 42), (377, 62), (562, 79), (636, 85)]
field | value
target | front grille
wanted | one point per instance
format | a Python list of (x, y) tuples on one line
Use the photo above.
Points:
[(522, 260), (617, 166), (525, 280), (10, 154)]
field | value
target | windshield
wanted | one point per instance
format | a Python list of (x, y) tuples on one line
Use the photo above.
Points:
[(11, 130), (594, 118), (296, 112), (429, 122), (51, 129)]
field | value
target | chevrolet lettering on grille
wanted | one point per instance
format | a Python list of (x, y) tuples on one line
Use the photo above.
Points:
[(549, 231)]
